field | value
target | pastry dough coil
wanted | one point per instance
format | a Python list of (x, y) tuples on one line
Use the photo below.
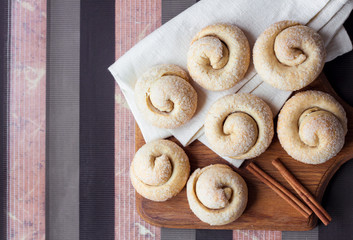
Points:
[(218, 57), (165, 97), (159, 170), (312, 126), (239, 126), (289, 56), (216, 194)]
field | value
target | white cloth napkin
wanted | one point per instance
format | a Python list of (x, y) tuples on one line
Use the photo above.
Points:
[(170, 43)]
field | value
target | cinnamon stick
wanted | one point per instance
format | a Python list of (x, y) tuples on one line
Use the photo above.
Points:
[(307, 197), (279, 189)]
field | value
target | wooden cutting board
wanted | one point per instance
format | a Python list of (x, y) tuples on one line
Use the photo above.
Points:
[(265, 209)]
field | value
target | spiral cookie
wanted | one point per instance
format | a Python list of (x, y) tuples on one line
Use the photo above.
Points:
[(165, 97), (312, 126), (216, 194), (159, 170), (218, 57), (239, 126), (289, 56)]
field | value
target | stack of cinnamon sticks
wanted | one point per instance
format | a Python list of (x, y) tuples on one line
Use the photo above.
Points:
[(305, 195)]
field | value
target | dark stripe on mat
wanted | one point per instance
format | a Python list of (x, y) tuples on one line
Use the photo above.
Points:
[(204, 234), (4, 71), (97, 53), (171, 8), (339, 72), (338, 196)]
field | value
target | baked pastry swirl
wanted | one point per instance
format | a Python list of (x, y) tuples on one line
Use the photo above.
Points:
[(165, 97), (159, 170), (216, 194), (239, 126), (288, 55), (218, 57), (312, 126)]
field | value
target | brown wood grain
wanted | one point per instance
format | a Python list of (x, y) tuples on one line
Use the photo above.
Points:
[(265, 209)]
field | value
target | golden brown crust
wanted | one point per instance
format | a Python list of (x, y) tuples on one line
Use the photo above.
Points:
[(159, 170), (288, 55), (239, 126), (312, 126), (165, 97), (219, 56), (216, 194)]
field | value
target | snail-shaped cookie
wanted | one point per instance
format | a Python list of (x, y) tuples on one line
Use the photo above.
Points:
[(239, 126), (218, 57), (216, 194), (165, 97), (159, 170), (288, 55), (312, 126)]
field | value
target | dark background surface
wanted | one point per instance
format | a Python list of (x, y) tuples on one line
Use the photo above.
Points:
[(340, 71), (338, 197)]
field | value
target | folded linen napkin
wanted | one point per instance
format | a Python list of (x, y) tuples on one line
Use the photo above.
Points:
[(170, 43)]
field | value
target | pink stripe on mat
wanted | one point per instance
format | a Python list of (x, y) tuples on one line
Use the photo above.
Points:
[(26, 135), (256, 235), (134, 20)]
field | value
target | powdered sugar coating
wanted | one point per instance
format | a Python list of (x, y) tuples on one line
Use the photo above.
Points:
[(312, 126), (219, 56), (159, 170), (216, 194), (165, 96), (288, 55), (239, 126)]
